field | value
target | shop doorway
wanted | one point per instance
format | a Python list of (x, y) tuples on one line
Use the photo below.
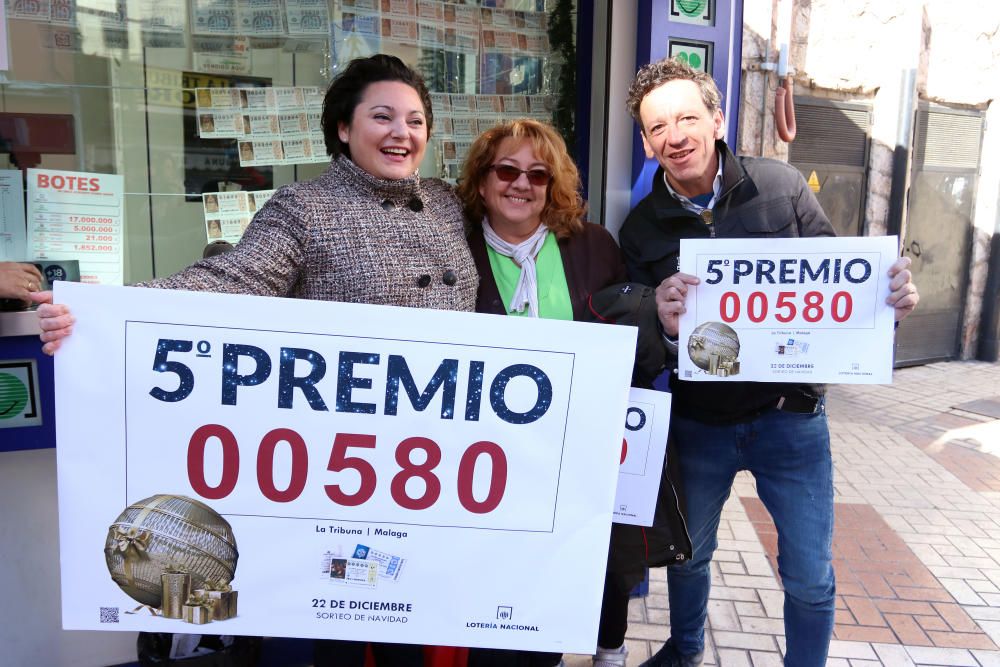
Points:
[(938, 237)]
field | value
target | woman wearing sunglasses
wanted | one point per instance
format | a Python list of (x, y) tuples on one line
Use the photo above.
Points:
[(538, 258), (535, 254)]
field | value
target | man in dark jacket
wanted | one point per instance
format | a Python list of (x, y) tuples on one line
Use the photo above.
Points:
[(776, 431)]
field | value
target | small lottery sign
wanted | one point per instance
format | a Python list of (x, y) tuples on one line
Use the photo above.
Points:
[(644, 448), (788, 310)]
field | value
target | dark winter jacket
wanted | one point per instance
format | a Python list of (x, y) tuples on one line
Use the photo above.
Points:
[(759, 198), (591, 261)]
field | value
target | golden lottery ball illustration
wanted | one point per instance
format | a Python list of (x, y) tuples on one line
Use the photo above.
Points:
[(713, 338), (169, 532)]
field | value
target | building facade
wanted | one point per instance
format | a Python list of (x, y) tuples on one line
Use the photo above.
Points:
[(896, 117)]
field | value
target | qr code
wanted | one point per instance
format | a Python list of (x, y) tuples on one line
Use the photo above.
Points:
[(109, 614), (687, 374)]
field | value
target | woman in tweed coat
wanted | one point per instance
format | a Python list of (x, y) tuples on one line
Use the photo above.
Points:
[(368, 230)]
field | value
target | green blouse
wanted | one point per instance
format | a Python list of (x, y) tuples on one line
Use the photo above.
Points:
[(553, 292)]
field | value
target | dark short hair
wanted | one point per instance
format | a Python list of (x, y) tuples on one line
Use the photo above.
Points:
[(219, 247), (652, 76), (347, 88)]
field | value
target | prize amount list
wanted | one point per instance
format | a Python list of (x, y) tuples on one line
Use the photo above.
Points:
[(94, 238)]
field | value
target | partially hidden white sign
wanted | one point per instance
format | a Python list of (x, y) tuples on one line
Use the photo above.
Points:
[(788, 310), (348, 471), (643, 458)]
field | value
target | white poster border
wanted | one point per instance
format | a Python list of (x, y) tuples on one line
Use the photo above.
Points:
[(457, 581), (809, 310)]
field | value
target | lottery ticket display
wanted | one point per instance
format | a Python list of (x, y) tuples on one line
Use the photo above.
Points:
[(273, 126), (12, 234), (458, 119), (227, 214)]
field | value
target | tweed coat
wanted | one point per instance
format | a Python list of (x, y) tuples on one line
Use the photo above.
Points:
[(349, 236)]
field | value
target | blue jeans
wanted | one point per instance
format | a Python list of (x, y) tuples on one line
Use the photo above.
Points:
[(789, 456)]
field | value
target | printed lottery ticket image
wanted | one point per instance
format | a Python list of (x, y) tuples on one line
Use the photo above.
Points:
[(715, 347), (350, 571), (389, 566), (175, 555), (366, 566)]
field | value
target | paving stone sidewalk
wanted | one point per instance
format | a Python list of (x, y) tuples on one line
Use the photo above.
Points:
[(916, 540)]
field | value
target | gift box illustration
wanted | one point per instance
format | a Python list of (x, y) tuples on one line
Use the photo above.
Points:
[(176, 586), (715, 347), (176, 555), (220, 597), (197, 611)]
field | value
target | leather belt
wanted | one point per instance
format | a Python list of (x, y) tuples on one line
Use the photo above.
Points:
[(799, 403)]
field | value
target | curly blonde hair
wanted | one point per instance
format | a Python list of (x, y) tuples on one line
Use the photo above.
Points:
[(564, 207)]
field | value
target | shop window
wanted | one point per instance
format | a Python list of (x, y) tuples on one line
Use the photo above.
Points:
[(189, 113)]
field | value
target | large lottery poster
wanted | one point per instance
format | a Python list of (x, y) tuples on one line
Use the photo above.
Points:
[(78, 215), (298, 468), (788, 310)]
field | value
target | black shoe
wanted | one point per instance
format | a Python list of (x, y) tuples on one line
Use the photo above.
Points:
[(668, 656)]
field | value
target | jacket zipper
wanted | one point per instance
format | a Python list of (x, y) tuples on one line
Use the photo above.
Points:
[(709, 219), (708, 216), (677, 504)]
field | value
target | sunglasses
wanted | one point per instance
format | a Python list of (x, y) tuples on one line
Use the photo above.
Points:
[(509, 173)]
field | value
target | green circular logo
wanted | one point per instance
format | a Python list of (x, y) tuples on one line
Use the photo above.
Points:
[(692, 8), (692, 59), (13, 396)]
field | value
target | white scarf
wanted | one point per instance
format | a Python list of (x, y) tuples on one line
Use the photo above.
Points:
[(523, 254)]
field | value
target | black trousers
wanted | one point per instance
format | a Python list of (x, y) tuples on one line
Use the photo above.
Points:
[(495, 657), (340, 653), (614, 612)]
